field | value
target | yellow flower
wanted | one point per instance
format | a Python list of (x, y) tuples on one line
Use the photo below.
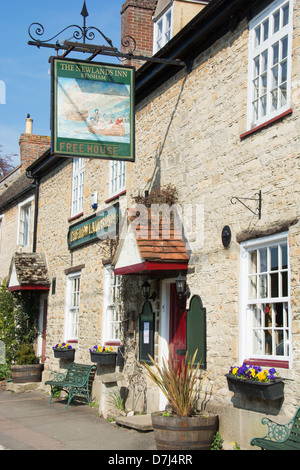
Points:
[(253, 372), (234, 371), (262, 375)]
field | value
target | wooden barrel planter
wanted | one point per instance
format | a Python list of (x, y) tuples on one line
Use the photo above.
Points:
[(27, 373), (189, 433)]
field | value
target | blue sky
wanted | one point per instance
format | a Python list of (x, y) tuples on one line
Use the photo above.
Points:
[(25, 69)]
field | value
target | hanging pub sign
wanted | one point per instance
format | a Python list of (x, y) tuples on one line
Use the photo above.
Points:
[(92, 110), (100, 226)]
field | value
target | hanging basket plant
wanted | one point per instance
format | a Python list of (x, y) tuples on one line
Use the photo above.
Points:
[(64, 351), (254, 381), (103, 355)]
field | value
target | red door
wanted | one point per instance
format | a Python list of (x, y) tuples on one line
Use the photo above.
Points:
[(177, 333)]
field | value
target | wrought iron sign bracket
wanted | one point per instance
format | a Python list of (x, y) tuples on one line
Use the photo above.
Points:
[(88, 33), (257, 211)]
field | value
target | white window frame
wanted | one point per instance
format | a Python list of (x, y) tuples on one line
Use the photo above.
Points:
[(263, 41), (162, 32), (1, 228), (77, 186), (72, 306), (112, 308), (117, 177), (24, 232), (248, 328)]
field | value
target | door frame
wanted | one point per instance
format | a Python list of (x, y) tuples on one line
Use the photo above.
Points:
[(164, 330)]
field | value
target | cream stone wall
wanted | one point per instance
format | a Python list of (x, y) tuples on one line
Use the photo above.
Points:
[(188, 133), (54, 212), (9, 243)]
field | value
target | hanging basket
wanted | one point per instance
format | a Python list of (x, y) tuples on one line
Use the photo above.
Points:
[(103, 358), (64, 353), (264, 390)]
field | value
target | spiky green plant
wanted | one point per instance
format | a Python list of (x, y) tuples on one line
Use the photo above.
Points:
[(179, 383)]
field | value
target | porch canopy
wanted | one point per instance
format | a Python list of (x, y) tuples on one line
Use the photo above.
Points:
[(155, 247), (28, 271)]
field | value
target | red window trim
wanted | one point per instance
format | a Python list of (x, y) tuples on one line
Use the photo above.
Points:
[(268, 363), (115, 197), (75, 217), (266, 124)]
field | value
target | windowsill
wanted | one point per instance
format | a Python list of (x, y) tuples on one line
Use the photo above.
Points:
[(75, 217), (115, 196), (266, 124), (268, 363)]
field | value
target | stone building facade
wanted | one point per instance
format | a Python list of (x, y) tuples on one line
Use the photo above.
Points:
[(194, 129), (235, 167)]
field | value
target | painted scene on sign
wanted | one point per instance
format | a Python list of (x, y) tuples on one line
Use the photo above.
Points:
[(93, 110)]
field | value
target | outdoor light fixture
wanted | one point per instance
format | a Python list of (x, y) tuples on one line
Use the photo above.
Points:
[(180, 288), (146, 291)]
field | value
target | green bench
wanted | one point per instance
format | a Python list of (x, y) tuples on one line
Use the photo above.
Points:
[(280, 436), (76, 382)]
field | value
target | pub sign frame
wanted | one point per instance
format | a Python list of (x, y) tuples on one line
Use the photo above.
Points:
[(92, 110)]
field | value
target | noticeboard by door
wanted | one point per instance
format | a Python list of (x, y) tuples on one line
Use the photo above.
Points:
[(146, 330)]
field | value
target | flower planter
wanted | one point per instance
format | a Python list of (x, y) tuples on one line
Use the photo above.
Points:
[(27, 373), (103, 358), (184, 433), (64, 353), (264, 390)]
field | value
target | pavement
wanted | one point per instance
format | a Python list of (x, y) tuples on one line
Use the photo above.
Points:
[(27, 422)]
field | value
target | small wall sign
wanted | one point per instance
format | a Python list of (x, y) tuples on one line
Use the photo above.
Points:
[(97, 227)]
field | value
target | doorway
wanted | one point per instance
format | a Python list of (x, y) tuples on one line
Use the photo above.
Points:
[(172, 327)]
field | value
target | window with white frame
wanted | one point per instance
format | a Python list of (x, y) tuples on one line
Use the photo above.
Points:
[(270, 56), (163, 30), (265, 306), (77, 186), (112, 307), (117, 182), (73, 302), (24, 223)]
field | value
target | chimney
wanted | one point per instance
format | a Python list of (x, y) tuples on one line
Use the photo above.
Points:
[(136, 21), (28, 128), (32, 146)]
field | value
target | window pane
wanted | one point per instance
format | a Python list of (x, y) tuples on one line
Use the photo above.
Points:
[(279, 344), (284, 283), (265, 30), (285, 14), (274, 258), (263, 286), (264, 61), (263, 260), (275, 49), (274, 285), (257, 342), (253, 262), (276, 19), (268, 342), (257, 36), (252, 287), (275, 77), (284, 47)]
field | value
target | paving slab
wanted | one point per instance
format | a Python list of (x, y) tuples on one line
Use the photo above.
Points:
[(141, 423)]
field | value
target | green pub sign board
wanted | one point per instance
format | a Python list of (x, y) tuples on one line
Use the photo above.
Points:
[(97, 227), (92, 110)]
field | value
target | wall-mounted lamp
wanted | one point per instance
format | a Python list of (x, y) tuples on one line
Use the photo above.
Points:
[(146, 291), (181, 288)]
